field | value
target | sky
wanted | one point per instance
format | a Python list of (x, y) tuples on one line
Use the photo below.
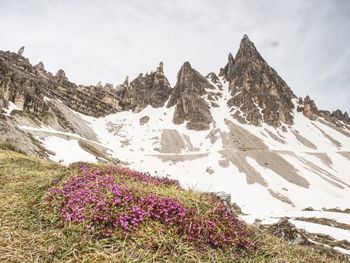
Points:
[(305, 41)]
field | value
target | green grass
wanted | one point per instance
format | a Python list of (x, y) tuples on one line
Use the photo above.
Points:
[(26, 235), (9, 147)]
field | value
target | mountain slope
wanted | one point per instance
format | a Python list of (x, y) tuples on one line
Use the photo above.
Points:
[(29, 233), (243, 132)]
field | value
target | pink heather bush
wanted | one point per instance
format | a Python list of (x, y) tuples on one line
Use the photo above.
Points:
[(124, 172), (94, 199)]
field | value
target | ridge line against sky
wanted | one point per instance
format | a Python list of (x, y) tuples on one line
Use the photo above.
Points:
[(305, 41)]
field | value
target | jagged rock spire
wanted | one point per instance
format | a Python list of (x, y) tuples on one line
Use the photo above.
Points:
[(20, 51), (60, 74), (309, 108), (126, 81), (340, 115), (99, 84), (189, 81), (248, 51), (226, 72), (259, 93), (188, 101), (150, 89), (40, 66), (160, 68)]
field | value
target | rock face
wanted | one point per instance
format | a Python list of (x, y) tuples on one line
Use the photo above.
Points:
[(61, 75), (13, 137), (338, 114), (227, 71), (151, 89), (20, 51), (309, 108), (27, 85), (258, 93), (40, 66), (286, 230), (188, 99)]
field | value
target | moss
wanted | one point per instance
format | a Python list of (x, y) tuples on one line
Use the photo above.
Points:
[(17, 113), (10, 147)]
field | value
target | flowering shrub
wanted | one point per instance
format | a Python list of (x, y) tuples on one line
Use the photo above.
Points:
[(125, 172), (97, 200)]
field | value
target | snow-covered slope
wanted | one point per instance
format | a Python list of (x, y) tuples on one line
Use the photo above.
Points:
[(267, 170)]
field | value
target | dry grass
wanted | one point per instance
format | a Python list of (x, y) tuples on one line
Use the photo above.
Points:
[(26, 237), (97, 153)]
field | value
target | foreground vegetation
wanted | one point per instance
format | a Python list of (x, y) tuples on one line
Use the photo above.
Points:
[(41, 219)]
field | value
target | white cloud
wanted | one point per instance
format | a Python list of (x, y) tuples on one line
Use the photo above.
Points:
[(305, 41)]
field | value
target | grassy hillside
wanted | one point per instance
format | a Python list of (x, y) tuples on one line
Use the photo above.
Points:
[(41, 219)]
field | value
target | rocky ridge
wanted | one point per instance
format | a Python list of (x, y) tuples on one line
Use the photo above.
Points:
[(151, 89), (257, 93)]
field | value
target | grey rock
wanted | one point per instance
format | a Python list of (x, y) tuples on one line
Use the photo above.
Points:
[(187, 97), (309, 109), (20, 51), (40, 66), (61, 74), (256, 88), (144, 120), (287, 231), (226, 199), (151, 89), (338, 114)]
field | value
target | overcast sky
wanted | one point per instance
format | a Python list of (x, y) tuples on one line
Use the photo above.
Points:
[(306, 41)]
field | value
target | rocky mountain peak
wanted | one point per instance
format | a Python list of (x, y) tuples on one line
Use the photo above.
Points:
[(246, 43), (187, 97), (126, 81), (189, 81), (227, 71), (151, 89), (258, 93), (61, 74), (186, 65), (40, 66), (99, 84), (247, 52), (160, 70), (32, 84), (341, 116), (308, 107)]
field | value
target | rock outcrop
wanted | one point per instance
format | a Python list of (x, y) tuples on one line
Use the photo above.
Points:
[(338, 114), (188, 99), (308, 107), (151, 89), (227, 72), (20, 51), (287, 231), (40, 66), (28, 85), (258, 93), (13, 138)]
